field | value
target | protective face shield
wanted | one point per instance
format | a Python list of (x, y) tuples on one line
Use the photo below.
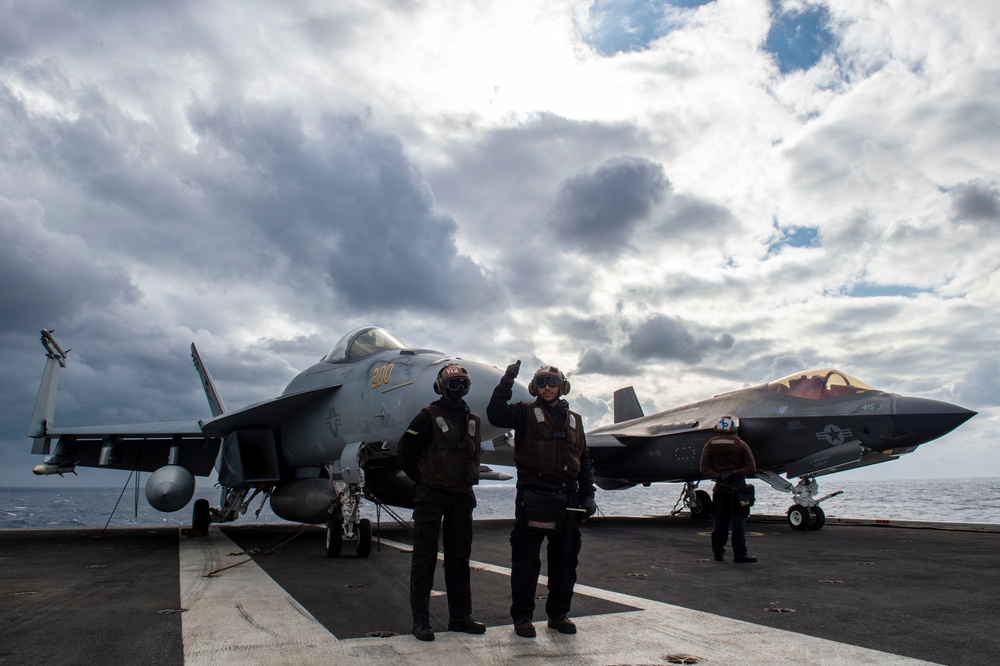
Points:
[(452, 381), (548, 375), (727, 425)]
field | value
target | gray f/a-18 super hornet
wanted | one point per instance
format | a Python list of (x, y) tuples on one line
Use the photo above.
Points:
[(804, 425), (315, 451)]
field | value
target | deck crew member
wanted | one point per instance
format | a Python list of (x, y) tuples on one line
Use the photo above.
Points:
[(727, 459), (441, 451), (554, 491)]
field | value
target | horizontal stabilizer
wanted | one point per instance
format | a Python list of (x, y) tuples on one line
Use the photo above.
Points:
[(627, 405), (604, 441)]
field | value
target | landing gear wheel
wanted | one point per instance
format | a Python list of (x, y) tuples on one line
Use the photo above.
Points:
[(701, 507), (818, 519), (798, 517), (200, 516), (364, 537), (334, 537)]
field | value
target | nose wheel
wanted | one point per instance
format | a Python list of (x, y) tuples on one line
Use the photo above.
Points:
[(339, 530), (806, 513), (805, 518)]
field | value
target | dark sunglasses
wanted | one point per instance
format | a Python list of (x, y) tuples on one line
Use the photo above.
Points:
[(548, 380), (456, 383)]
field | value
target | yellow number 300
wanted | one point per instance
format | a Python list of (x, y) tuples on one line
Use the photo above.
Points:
[(381, 375)]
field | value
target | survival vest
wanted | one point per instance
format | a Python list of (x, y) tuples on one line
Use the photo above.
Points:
[(546, 452), (452, 460)]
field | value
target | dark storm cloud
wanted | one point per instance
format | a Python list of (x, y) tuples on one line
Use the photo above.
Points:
[(598, 210), (605, 361), (37, 291), (657, 338), (665, 337), (583, 329), (976, 201), (344, 204), (506, 173), (687, 216)]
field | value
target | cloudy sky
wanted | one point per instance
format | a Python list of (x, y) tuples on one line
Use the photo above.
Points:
[(690, 196)]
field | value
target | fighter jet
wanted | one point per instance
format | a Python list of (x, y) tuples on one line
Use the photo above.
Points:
[(328, 441), (805, 425)]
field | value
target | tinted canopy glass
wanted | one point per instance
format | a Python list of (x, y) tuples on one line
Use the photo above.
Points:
[(819, 384), (361, 342)]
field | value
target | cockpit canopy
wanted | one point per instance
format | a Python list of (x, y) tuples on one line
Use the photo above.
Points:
[(820, 384), (361, 342)]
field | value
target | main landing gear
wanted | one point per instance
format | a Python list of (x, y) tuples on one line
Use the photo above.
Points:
[(806, 513), (698, 502)]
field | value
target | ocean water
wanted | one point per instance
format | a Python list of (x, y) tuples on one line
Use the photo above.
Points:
[(971, 500)]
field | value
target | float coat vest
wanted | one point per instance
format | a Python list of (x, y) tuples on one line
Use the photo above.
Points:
[(452, 460), (546, 452)]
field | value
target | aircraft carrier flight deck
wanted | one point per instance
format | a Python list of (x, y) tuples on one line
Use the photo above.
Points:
[(648, 592)]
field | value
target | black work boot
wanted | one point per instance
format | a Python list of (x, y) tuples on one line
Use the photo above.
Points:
[(562, 624), (422, 630), (467, 625), (524, 628)]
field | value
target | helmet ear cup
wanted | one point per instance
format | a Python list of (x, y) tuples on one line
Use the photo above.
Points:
[(564, 389), (532, 390)]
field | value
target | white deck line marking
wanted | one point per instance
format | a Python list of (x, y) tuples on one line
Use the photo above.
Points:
[(241, 616)]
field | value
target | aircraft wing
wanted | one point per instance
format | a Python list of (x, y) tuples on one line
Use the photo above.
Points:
[(263, 414), (129, 430), (622, 435), (146, 446)]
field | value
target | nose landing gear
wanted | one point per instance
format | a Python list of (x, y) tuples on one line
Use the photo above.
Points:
[(806, 513)]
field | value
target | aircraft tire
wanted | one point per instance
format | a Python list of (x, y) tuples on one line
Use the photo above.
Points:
[(200, 517), (334, 537), (818, 519), (701, 508), (798, 517), (364, 548)]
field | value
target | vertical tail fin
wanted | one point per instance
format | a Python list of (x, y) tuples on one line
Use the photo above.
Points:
[(214, 401), (627, 405), (45, 402)]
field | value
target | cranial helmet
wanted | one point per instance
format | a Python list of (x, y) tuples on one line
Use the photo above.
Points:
[(726, 424), (548, 375), (452, 377)]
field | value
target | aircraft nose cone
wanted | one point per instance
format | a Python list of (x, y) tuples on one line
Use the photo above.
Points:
[(921, 419)]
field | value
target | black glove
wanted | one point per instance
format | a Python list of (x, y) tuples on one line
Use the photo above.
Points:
[(729, 479), (589, 504), (511, 373)]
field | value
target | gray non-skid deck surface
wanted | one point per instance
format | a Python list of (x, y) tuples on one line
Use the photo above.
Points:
[(68, 597)]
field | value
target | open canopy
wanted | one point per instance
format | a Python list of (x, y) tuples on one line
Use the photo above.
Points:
[(361, 342), (819, 384)]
